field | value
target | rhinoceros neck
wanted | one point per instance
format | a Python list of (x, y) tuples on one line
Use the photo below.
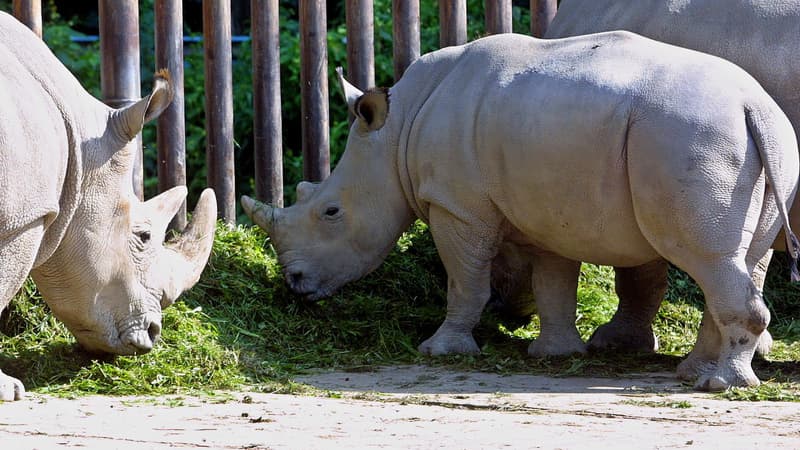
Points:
[(408, 97)]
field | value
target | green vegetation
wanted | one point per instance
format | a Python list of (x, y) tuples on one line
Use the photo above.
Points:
[(240, 327)]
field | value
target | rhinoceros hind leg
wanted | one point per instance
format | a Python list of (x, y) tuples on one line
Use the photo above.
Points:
[(702, 360), (10, 388), (641, 290)]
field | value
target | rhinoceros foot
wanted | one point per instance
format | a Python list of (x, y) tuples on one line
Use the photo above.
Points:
[(737, 375), (449, 341), (625, 338), (556, 345), (10, 388), (695, 367)]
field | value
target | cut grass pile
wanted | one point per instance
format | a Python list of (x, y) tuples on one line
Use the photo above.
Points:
[(240, 327)]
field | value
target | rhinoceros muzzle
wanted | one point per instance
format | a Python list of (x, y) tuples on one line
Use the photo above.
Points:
[(141, 333)]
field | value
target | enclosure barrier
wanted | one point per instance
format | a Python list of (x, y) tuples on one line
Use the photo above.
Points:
[(120, 69)]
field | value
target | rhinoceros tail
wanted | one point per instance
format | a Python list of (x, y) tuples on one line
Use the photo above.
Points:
[(774, 135)]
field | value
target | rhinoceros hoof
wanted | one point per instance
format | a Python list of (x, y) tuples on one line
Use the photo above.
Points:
[(563, 346), (727, 377), (449, 344), (612, 336), (694, 368), (10, 388), (764, 345)]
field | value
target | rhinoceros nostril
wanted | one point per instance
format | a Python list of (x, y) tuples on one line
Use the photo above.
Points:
[(154, 331), (295, 278)]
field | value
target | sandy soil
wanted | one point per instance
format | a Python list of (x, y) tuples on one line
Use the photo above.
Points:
[(412, 407)]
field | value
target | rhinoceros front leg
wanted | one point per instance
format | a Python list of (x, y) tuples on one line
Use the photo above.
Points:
[(555, 284), (466, 253), (641, 290), (10, 388), (18, 251)]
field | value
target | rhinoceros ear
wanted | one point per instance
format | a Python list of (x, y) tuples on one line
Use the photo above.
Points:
[(372, 108), (131, 119), (350, 92)]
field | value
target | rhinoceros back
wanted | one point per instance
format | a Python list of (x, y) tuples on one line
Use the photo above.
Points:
[(43, 110)]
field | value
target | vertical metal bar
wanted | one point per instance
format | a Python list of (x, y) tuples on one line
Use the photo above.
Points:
[(268, 144), (498, 16), (119, 65), (314, 90), (29, 12), (452, 22), (360, 45), (405, 30), (171, 130), (219, 105), (542, 13)]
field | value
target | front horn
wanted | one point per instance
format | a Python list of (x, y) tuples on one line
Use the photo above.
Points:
[(261, 214)]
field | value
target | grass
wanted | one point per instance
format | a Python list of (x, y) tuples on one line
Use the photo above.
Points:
[(241, 328)]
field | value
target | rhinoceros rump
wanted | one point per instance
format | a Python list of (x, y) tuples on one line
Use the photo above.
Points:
[(608, 148), (761, 36), (68, 215)]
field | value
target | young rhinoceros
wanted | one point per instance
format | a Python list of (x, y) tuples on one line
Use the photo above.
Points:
[(762, 37), (609, 148), (68, 215)]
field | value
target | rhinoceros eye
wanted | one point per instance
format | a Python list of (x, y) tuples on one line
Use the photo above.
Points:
[(144, 236), (331, 211)]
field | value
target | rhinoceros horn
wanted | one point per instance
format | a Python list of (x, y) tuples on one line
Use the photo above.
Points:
[(260, 213), (186, 255)]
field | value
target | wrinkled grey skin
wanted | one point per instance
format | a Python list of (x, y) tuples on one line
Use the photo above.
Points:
[(761, 36), (68, 215), (634, 134)]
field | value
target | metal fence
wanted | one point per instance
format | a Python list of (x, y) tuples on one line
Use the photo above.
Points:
[(120, 83)]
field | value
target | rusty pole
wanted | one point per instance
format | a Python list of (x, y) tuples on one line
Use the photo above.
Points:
[(452, 22), (542, 13), (405, 31), (171, 130), (267, 139), (119, 65), (498, 16), (219, 105), (29, 12), (314, 90), (360, 46)]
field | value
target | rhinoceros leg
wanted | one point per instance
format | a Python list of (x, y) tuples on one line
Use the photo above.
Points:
[(10, 388), (18, 251), (702, 360), (641, 290), (555, 284), (467, 254)]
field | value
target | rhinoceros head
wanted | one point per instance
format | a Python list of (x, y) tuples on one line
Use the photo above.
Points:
[(341, 229), (112, 272)]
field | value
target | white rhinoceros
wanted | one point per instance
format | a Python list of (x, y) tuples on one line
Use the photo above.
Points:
[(610, 148), (68, 215), (761, 36)]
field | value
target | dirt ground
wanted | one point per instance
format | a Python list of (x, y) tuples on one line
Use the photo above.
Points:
[(412, 407)]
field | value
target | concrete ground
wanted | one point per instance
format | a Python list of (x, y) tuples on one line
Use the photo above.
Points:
[(412, 407)]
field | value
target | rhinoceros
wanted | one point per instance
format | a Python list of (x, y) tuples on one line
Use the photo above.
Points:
[(609, 148), (68, 214), (761, 36)]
